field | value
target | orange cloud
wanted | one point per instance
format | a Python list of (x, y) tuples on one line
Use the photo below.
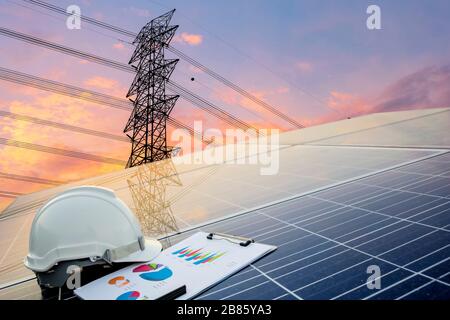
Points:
[(348, 104), (101, 82), (44, 165), (189, 38)]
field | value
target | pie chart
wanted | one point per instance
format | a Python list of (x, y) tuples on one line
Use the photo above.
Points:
[(130, 295), (147, 267), (153, 272)]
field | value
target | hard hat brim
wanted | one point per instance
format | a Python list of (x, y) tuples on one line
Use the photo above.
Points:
[(151, 251)]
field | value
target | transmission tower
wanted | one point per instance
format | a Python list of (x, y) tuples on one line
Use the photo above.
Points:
[(148, 187), (147, 124)]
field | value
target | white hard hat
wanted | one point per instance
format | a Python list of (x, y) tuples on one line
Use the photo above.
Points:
[(87, 223)]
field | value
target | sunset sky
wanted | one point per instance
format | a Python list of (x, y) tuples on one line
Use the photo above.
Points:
[(314, 60)]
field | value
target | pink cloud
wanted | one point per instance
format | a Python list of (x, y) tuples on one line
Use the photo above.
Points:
[(257, 115), (194, 69), (347, 104), (426, 88), (118, 46), (283, 90), (227, 95), (304, 66), (101, 82), (189, 38)]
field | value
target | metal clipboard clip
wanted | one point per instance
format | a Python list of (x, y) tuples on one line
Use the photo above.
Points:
[(244, 242)]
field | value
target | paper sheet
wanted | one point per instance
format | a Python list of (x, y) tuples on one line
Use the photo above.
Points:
[(196, 262)]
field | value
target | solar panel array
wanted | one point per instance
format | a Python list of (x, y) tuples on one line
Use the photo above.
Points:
[(398, 221), (349, 208), (213, 193)]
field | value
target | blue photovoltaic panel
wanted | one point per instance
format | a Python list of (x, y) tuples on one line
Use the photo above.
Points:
[(398, 220)]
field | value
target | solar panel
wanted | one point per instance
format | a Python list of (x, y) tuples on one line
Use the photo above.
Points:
[(398, 220), (227, 190), (326, 240), (399, 132), (332, 210)]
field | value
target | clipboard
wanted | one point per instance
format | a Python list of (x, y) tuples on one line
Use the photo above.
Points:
[(244, 242), (199, 262)]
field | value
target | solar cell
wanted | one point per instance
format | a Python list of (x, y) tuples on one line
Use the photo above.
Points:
[(328, 239)]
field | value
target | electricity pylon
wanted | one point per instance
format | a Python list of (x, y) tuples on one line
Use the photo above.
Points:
[(146, 126), (148, 187)]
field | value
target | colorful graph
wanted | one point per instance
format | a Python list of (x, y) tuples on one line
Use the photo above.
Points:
[(119, 281), (147, 267), (130, 295), (197, 256), (153, 272)]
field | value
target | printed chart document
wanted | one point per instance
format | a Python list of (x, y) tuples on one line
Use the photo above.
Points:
[(197, 262)]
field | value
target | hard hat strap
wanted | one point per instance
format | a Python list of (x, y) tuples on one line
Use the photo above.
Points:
[(141, 241), (118, 253)]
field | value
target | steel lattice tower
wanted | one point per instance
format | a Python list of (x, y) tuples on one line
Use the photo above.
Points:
[(147, 124), (148, 188)]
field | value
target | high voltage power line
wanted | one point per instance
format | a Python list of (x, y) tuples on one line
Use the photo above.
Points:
[(105, 99), (210, 72), (82, 94), (79, 93), (316, 98), (84, 18), (58, 125), (128, 33), (17, 177), (235, 87), (184, 93), (61, 152), (9, 194)]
